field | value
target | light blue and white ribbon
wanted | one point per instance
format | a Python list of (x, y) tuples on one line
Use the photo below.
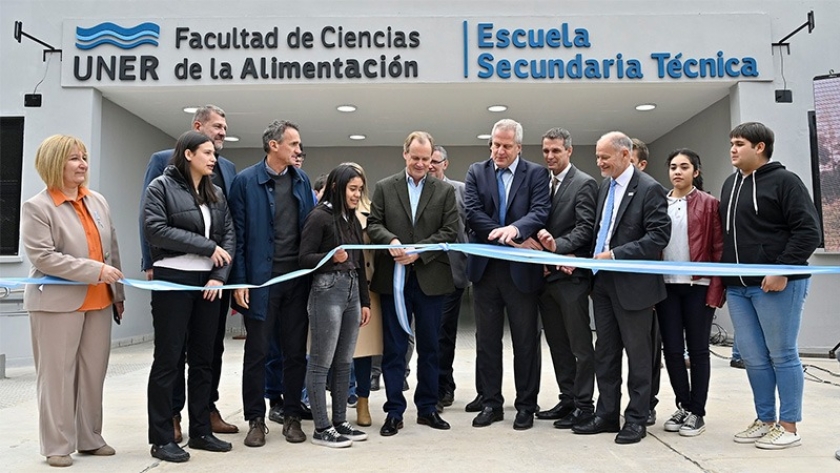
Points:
[(519, 255)]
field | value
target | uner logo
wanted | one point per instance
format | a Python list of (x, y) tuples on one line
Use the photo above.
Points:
[(123, 38)]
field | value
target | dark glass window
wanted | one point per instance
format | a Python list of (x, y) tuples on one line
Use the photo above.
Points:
[(11, 165)]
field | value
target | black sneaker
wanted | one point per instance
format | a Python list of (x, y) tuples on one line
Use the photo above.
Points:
[(348, 431), (331, 438), (693, 426)]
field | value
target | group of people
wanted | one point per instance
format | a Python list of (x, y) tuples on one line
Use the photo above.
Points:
[(204, 225)]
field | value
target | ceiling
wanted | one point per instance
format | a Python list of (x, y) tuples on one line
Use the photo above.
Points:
[(453, 113)]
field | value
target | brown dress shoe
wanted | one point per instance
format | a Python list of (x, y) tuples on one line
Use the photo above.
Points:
[(292, 430), (256, 433), (363, 412), (176, 425), (219, 426)]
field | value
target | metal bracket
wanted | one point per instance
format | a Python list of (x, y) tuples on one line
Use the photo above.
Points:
[(809, 23), (49, 49)]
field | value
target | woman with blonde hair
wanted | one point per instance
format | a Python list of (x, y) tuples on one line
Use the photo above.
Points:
[(67, 233)]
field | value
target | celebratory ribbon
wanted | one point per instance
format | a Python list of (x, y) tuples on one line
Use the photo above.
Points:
[(518, 255)]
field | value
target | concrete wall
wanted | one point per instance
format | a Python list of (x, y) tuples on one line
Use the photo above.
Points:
[(126, 145)]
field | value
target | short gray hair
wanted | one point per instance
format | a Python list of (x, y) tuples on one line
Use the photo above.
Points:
[(508, 124), (440, 149), (202, 114), (276, 131), (618, 140), (559, 134)]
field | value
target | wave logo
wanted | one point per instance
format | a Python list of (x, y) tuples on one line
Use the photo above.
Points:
[(110, 33)]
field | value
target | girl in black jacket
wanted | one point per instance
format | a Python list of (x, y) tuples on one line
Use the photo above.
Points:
[(191, 236), (339, 302)]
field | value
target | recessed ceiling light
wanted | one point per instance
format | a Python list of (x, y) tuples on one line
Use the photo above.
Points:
[(346, 108), (497, 108), (190, 109), (645, 107), (484, 137), (232, 138), (357, 137)]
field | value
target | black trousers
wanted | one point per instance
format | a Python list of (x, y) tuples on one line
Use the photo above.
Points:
[(685, 319), (621, 330), (447, 337), (656, 365), (287, 320), (494, 294), (179, 316), (564, 307), (179, 391)]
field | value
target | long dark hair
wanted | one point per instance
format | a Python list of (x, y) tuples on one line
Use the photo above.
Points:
[(191, 140), (694, 158), (335, 191)]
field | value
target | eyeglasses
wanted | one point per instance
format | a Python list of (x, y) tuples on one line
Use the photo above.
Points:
[(301, 156), (437, 163)]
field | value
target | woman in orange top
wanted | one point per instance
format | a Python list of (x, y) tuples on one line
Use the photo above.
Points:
[(67, 233)]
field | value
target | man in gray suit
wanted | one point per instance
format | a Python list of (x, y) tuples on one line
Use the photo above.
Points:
[(632, 223), (452, 301), (564, 304), (412, 207)]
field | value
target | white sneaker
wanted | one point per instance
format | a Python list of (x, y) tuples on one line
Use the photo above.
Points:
[(754, 432), (778, 438), (676, 421)]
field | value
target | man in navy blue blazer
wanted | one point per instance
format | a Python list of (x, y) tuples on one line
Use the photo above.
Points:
[(507, 203), (209, 120)]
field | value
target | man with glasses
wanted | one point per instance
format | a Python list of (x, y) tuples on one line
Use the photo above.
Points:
[(507, 203), (452, 301)]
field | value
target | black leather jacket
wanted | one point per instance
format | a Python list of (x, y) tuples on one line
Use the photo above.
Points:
[(173, 224)]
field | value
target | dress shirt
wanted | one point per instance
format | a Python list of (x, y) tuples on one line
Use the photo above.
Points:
[(414, 191), (507, 177), (620, 188)]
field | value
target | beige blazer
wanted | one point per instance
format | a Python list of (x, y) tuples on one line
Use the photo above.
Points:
[(55, 243), (370, 340)]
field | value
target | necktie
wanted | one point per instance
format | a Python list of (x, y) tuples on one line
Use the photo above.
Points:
[(605, 221), (502, 195), (553, 185)]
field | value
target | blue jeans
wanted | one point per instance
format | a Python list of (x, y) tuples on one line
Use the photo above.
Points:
[(334, 317), (767, 325)]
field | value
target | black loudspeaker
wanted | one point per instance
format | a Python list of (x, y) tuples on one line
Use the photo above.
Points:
[(32, 100), (784, 96)]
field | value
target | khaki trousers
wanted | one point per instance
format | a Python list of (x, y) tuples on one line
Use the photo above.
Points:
[(71, 357)]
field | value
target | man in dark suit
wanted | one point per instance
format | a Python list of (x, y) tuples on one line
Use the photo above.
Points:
[(413, 207), (507, 203), (633, 223), (452, 301), (209, 120), (564, 304)]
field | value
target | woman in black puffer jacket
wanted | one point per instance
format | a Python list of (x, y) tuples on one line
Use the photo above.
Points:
[(191, 236)]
